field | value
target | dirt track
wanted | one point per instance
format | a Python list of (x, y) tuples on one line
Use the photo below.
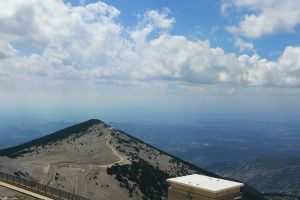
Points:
[(87, 169)]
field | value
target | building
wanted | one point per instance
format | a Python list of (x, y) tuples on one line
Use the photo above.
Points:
[(200, 187)]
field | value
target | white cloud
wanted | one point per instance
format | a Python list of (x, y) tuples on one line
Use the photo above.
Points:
[(242, 45), (179, 59), (88, 44), (160, 19), (6, 50), (263, 17), (51, 21), (140, 34), (154, 20)]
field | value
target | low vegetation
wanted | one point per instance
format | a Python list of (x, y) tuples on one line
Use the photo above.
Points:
[(149, 179)]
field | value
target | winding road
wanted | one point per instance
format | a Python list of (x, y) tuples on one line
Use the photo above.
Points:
[(88, 169)]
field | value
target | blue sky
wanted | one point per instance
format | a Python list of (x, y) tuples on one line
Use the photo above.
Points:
[(204, 20), (130, 60)]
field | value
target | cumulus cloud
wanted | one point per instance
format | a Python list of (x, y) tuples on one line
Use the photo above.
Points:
[(242, 45), (154, 20), (175, 58), (89, 44), (263, 17), (50, 21), (6, 50), (160, 19)]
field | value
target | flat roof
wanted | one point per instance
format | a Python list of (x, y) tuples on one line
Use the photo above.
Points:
[(206, 183)]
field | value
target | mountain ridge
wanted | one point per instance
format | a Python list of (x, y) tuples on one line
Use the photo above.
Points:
[(142, 157), (58, 135)]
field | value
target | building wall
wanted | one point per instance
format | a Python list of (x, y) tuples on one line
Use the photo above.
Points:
[(177, 194)]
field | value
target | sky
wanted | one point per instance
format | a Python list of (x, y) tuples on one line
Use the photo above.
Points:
[(149, 61)]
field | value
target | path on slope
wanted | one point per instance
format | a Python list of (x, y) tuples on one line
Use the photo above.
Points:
[(89, 168), (122, 160)]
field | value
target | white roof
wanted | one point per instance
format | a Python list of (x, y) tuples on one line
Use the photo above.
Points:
[(207, 183)]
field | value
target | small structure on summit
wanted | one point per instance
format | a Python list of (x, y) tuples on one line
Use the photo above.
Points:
[(200, 187)]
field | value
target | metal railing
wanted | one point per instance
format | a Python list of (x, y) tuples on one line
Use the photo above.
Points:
[(39, 188)]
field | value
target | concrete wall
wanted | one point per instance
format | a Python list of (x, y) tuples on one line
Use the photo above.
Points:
[(178, 194)]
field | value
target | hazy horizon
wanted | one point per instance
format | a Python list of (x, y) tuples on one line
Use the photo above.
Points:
[(148, 62)]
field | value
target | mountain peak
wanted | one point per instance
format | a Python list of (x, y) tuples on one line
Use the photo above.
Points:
[(93, 121), (76, 129)]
